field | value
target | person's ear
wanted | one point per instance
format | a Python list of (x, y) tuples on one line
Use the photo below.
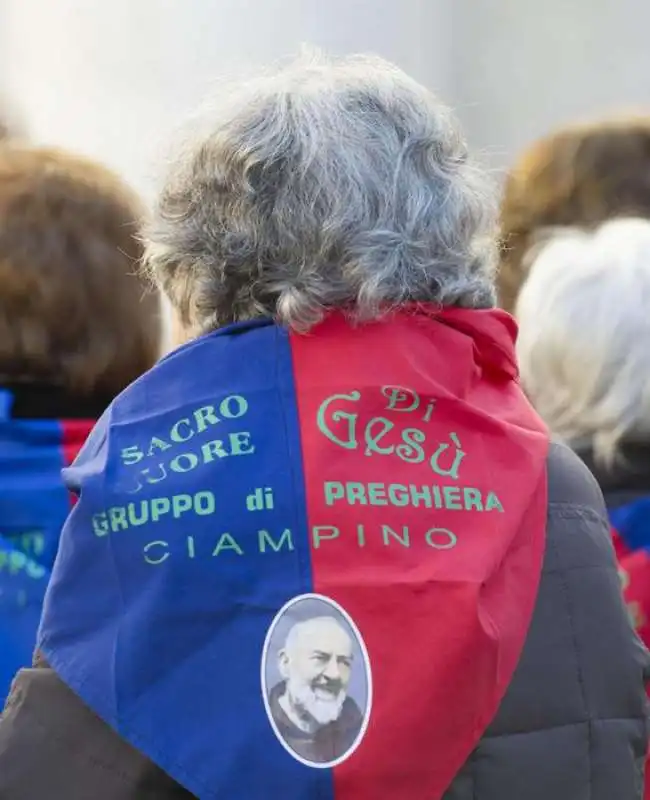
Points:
[(283, 664)]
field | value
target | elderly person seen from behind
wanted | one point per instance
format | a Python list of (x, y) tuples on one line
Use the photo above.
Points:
[(327, 246), (585, 363)]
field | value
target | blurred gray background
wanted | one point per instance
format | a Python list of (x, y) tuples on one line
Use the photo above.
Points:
[(113, 79)]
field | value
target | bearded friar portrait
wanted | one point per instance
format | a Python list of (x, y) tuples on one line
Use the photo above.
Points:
[(312, 711)]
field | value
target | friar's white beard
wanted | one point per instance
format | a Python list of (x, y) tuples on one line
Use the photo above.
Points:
[(321, 705)]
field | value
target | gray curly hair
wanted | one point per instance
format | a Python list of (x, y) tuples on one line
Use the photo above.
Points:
[(329, 183)]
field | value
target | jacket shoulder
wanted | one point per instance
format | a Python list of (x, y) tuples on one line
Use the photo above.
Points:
[(570, 483), (573, 721)]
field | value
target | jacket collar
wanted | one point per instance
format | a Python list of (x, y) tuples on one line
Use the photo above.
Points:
[(629, 475)]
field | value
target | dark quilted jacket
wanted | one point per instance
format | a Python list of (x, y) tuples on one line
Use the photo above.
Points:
[(571, 727), (573, 723)]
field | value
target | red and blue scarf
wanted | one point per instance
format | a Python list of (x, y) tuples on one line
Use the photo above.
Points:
[(631, 536), (304, 566)]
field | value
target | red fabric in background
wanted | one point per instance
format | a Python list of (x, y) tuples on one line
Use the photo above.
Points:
[(634, 570), (75, 433)]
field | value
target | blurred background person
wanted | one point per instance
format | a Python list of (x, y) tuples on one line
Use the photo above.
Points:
[(580, 175), (584, 350), (584, 353), (76, 327)]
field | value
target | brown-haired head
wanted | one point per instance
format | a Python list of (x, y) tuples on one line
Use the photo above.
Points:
[(582, 176), (73, 312)]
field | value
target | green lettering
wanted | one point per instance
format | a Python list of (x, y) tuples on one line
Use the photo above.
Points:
[(157, 444), (265, 538), (354, 492), (440, 538), (423, 494), (377, 494), (144, 513), (159, 506), (226, 542), (398, 494), (317, 536), (411, 450), (184, 462), (212, 450), (437, 497), (150, 559), (117, 516), (387, 532), (146, 474), (333, 491), (458, 455), (361, 535), (397, 394), (452, 498), (34, 570), (31, 542), (131, 455), (204, 503), (350, 442), (100, 524), (180, 504), (472, 499), (241, 407), (17, 562), (204, 417), (372, 441), (493, 502), (175, 433), (240, 443)]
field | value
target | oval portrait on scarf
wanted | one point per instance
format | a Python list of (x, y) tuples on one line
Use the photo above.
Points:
[(316, 681)]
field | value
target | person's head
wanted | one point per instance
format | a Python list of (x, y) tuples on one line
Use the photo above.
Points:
[(581, 175), (585, 331), (316, 663), (327, 184), (73, 312)]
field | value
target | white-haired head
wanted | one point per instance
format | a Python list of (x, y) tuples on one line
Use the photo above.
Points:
[(329, 183), (316, 663), (584, 339)]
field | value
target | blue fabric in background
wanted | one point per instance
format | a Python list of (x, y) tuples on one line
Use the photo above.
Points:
[(632, 523), (33, 507)]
